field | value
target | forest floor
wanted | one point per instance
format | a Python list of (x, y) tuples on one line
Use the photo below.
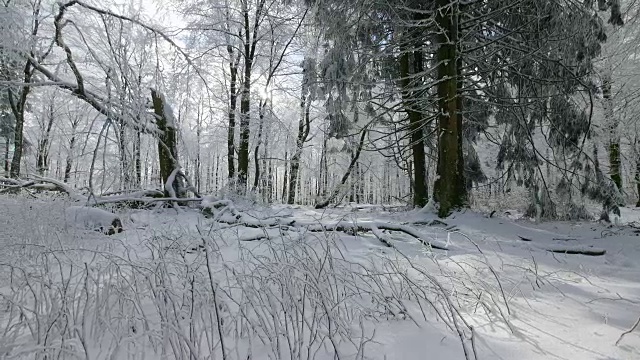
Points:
[(173, 284)]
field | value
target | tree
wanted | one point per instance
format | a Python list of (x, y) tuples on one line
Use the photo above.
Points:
[(17, 95), (538, 80), (45, 124), (167, 145), (308, 95), (450, 191), (7, 126), (411, 62)]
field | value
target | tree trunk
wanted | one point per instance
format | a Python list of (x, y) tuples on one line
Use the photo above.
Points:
[(233, 99), (321, 191), (198, 159), (250, 43), (256, 152), (138, 161), (207, 184), (124, 156), (612, 125), (217, 173), (266, 165), (285, 178), (303, 133), (245, 119), (637, 180), (269, 182), (449, 190), (42, 162), (637, 177), (167, 142), (411, 87), (18, 109), (354, 160), (6, 155), (67, 169)]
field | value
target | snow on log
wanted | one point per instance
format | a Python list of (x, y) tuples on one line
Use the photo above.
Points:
[(88, 218), (341, 226), (224, 211), (354, 227), (62, 186), (40, 183)]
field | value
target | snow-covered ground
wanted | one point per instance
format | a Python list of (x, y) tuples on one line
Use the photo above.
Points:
[(174, 285)]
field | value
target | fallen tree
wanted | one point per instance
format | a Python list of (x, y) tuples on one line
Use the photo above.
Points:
[(224, 211), (142, 196), (571, 250), (579, 251)]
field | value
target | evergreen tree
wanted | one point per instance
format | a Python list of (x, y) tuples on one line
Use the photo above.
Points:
[(536, 59)]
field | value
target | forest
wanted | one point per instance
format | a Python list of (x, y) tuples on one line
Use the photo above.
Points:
[(319, 179)]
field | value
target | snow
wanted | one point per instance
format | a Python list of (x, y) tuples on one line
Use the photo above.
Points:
[(89, 218), (169, 115), (157, 289)]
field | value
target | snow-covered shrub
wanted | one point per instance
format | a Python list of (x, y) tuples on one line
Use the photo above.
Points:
[(296, 297)]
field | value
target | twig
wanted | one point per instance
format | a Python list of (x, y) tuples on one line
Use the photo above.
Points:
[(628, 331)]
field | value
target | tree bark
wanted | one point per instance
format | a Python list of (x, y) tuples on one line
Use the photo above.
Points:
[(285, 178), (256, 151), (449, 189), (138, 158), (7, 162), (198, 160), (250, 43), (637, 177), (612, 125), (303, 134), (233, 100), (42, 162), (18, 109), (124, 156), (69, 165), (267, 181), (322, 177), (411, 67), (167, 142)]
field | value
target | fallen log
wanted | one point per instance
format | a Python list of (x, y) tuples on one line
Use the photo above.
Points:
[(579, 251), (224, 211), (588, 251), (341, 226)]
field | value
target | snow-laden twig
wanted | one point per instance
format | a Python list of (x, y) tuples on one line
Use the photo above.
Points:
[(62, 186)]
